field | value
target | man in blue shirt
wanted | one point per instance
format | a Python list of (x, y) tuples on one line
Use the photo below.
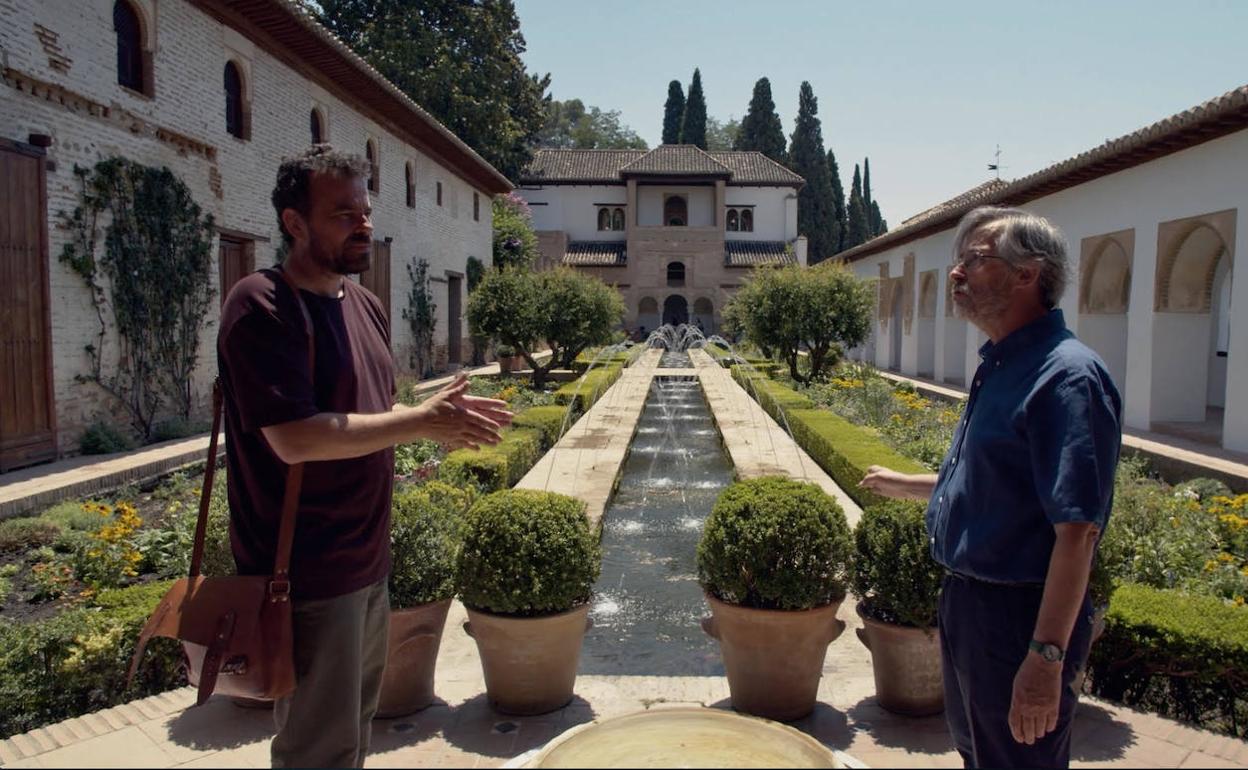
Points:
[(1016, 511)]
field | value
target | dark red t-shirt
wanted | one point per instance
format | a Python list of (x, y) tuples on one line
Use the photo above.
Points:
[(342, 529)]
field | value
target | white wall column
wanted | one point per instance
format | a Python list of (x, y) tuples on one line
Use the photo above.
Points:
[(1235, 423), (1137, 407)]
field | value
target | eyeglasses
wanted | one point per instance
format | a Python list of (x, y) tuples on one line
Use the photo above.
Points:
[(969, 259)]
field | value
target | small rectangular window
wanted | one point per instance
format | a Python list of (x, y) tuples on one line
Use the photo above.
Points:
[(476, 207), (439, 193)]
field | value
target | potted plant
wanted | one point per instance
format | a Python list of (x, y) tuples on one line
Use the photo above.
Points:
[(525, 574), (898, 588), (425, 528), (773, 562), (506, 356)]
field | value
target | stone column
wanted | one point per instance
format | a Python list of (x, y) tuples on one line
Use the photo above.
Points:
[(1138, 382), (1235, 421)]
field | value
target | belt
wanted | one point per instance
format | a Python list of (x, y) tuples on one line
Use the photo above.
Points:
[(990, 581)]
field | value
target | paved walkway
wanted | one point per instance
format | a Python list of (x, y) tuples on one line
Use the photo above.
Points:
[(586, 461), (29, 489), (1191, 458), (758, 445), (461, 730)]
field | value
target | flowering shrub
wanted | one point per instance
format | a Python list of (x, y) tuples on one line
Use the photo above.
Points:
[(515, 243), (110, 557)]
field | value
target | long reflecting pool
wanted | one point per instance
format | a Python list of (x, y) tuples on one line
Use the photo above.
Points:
[(648, 603)]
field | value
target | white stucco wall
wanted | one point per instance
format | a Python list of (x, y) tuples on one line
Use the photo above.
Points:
[(191, 50), (701, 204), (1208, 178), (574, 210), (774, 219)]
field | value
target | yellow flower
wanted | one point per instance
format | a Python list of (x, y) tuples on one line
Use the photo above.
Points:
[(1239, 601), (1225, 558)]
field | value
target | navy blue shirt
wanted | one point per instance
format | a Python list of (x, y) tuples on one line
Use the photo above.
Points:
[(1036, 446)]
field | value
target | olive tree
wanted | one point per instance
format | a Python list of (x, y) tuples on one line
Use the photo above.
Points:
[(821, 310), (567, 310)]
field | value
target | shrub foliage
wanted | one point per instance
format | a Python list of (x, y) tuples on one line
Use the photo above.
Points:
[(894, 574)]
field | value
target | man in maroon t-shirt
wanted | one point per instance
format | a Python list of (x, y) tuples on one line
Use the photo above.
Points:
[(342, 421)]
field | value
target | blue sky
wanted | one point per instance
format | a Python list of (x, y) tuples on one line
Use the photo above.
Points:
[(925, 89)]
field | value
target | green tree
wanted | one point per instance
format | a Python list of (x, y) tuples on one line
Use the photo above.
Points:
[(693, 126), (839, 215), (879, 224), (859, 231), (460, 61), (572, 125), (515, 243), (566, 309), (761, 129), (815, 216), (673, 112), (722, 136), (822, 310), (474, 271)]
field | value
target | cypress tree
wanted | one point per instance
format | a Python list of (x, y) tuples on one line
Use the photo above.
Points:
[(878, 222), (761, 129), (673, 113), (839, 216), (815, 216), (859, 228), (693, 127), (874, 222)]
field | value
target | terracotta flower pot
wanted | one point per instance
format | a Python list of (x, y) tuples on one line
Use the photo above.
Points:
[(906, 663), (505, 364), (773, 658), (415, 634), (529, 663)]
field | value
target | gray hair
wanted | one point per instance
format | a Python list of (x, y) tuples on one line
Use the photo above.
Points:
[(1021, 236)]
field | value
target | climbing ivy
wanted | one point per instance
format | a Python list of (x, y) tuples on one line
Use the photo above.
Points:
[(475, 271), (153, 272), (420, 314)]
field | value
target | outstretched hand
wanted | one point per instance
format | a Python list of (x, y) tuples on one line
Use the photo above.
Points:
[(454, 418)]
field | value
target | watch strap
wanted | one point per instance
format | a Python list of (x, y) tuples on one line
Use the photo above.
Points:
[(1047, 651)]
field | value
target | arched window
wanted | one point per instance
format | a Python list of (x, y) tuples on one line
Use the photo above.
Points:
[(732, 221), (235, 105), (604, 219), (318, 127), (130, 58), (617, 219), (374, 176), (675, 273), (410, 181), (747, 221), (675, 211)]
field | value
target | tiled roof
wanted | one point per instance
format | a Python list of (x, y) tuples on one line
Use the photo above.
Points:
[(1217, 117), (756, 168), (584, 166), (757, 253), (285, 29), (676, 160), (974, 193), (609, 166), (596, 254)]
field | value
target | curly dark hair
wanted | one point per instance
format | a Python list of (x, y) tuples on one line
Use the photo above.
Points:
[(295, 174)]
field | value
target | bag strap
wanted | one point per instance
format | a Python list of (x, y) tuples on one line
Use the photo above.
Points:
[(279, 587)]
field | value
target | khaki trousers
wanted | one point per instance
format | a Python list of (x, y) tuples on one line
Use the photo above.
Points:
[(340, 656)]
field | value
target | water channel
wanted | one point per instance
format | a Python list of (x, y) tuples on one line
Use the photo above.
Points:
[(647, 602)]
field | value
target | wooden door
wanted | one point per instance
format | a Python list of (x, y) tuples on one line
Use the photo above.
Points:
[(377, 278), (27, 409), (454, 324), (236, 260)]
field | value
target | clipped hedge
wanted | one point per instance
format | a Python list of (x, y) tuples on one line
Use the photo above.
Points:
[(895, 577), (774, 543), (495, 467), (1176, 654), (527, 553), (841, 448), (588, 388), (75, 663), (548, 420)]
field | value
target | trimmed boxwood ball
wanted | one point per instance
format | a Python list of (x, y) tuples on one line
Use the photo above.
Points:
[(426, 526), (895, 577), (777, 544), (527, 553)]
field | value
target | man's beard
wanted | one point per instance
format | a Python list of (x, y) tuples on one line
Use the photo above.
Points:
[(346, 261), (983, 305)]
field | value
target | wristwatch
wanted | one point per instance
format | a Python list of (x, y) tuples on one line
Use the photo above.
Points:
[(1050, 652)]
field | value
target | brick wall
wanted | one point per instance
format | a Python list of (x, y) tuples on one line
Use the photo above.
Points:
[(59, 59)]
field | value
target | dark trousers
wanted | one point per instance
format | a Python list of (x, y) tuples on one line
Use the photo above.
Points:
[(984, 632), (340, 656)]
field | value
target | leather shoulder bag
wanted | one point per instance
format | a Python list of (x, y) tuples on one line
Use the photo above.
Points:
[(235, 630)]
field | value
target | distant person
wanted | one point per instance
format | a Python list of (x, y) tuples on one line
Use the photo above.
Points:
[(1016, 511), (342, 420)]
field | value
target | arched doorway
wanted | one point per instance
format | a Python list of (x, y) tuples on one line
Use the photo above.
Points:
[(704, 315), (1192, 324), (675, 310), (894, 328), (1104, 297), (647, 316)]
